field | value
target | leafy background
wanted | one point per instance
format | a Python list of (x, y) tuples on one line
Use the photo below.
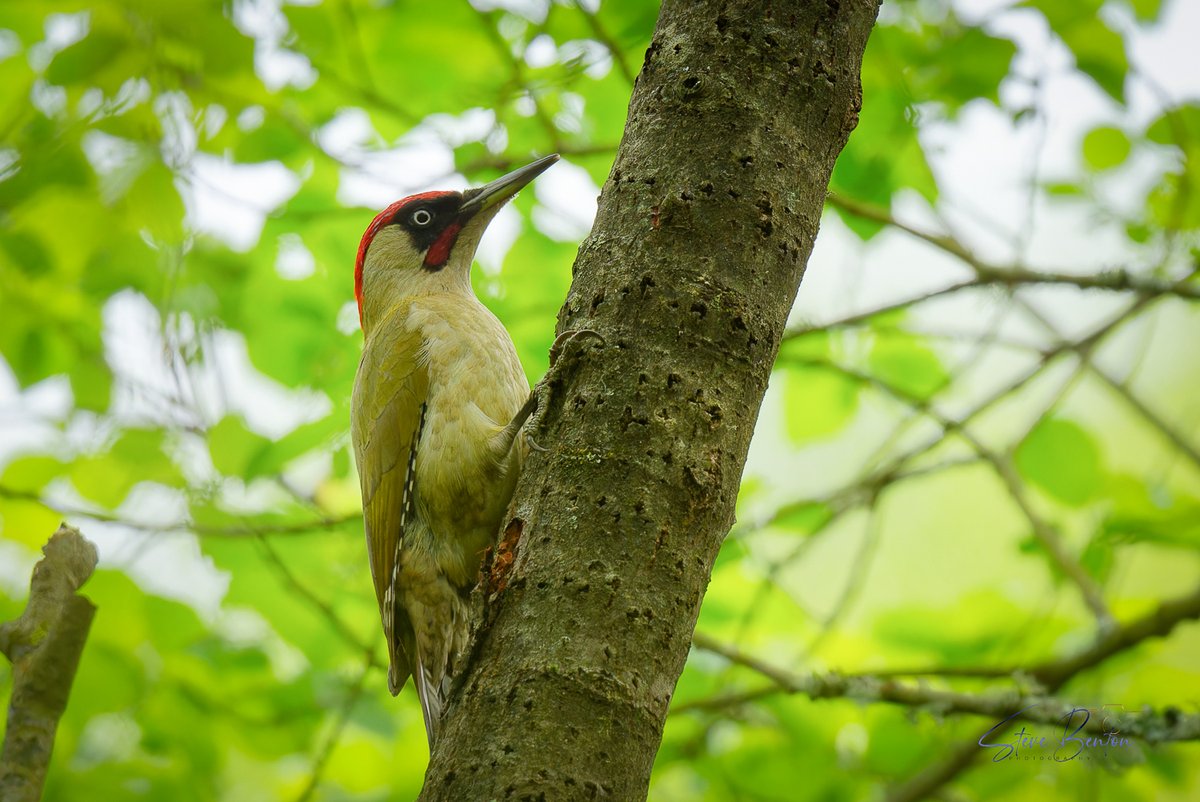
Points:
[(979, 449)]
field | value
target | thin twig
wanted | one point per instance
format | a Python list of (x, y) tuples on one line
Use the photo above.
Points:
[(319, 604), (1017, 275), (1047, 535), (1152, 726), (605, 38), (1042, 530), (236, 531), (353, 694), (1153, 418)]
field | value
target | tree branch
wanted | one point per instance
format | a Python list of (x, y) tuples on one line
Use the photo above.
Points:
[(235, 531), (1045, 534), (991, 274), (1149, 725), (316, 602), (321, 760), (44, 646), (1157, 624), (615, 51)]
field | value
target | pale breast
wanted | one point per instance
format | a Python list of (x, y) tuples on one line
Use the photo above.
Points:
[(476, 386)]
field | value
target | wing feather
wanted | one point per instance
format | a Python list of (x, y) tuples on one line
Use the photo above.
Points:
[(390, 392)]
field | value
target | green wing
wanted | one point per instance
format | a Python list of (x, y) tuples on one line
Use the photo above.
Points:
[(390, 391)]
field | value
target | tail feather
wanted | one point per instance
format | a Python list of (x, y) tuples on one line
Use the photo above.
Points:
[(400, 642), (432, 697)]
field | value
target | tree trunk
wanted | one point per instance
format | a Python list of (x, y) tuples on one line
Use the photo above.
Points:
[(701, 239)]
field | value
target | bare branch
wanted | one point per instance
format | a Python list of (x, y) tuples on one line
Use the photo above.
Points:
[(927, 781), (1045, 534), (236, 531), (44, 645), (1149, 725), (895, 306), (1016, 275), (353, 694), (605, 38), (1153, 418), (1157, 624), (316, 602)]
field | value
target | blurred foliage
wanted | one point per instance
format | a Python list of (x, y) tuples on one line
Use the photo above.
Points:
[(178, 218)]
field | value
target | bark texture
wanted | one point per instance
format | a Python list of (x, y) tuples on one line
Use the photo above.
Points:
[(44, 645), (704, 228)]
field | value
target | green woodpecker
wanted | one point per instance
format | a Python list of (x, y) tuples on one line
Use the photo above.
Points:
[(439, 402)]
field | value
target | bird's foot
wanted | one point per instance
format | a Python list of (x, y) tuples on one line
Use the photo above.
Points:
[(571, 337), (529, 418), (560, 359)]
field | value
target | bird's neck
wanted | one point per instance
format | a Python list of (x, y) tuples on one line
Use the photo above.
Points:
[(384, 290)]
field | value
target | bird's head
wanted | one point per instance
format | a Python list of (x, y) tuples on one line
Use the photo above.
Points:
[(425, 243)]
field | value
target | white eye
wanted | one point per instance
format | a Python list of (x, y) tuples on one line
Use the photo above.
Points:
[(421, 217)]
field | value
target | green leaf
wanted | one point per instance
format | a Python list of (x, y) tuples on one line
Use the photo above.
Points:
[(1062, 459), (30, 474), (233, 447), (201, 44), (274, 139), (26, 253), (1146, 10), (1105, 147), (1098, 556), (815, 345), (91, 384), (1169, 518), (1138, 232), (1064, 189), (29, 523), (51, 158), (985, 620), (981, 62), (82, 60), (1173, 204), (884, 154), (1176, 126), (153, 203), (908, 365), (237, 451), (137, 455), (819, 402), (1099, 50), (803, 518)]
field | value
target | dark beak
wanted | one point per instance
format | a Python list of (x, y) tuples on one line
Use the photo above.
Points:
[(497, 192)]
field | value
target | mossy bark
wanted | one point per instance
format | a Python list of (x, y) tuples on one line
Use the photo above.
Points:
[(44, 645), (703, 232)]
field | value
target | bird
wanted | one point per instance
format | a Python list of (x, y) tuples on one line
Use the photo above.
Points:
[(437, 411)]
